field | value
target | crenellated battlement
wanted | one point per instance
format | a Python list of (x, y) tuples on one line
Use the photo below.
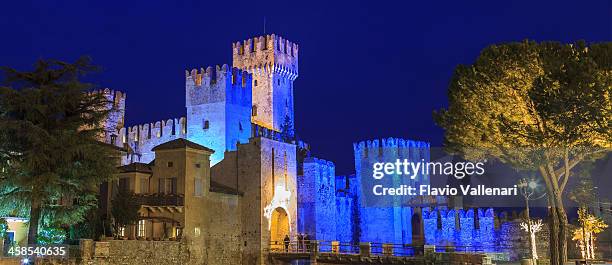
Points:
[(210, 75), (267, 54), (376, 144), (216, 84), (261, 131), (115, 96), (319, 161), (158, 129), (270, 42)]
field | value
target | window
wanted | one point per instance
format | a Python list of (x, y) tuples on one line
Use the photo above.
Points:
[(198, 187), (114, 139), (206, 125), (124, 184), (240, 126), (144, 185), (255, 82), (122, 231), (278, 81), (142, 228), (170, 164), (254, 111), (167, 185), (196, 231), (197, 165)]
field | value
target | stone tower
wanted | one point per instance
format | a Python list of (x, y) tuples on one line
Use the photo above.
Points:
[(273, 61), (116, 117), (218, 102), (397, 219)]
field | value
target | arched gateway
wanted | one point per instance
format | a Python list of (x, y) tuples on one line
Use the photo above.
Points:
[(279, 227)]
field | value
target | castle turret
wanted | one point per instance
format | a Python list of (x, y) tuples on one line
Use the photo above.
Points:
[(273, 61), (218, 102), (116, 117)]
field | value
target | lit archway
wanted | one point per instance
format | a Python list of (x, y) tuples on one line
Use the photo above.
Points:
[(279, 226)]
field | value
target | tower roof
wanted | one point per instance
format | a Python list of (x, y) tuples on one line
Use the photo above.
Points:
[(135, 167), (181, 143)]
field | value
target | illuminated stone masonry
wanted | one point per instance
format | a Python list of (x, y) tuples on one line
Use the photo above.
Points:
[(254, 184)]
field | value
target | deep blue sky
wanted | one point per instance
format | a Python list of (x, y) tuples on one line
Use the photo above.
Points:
[(368, 69)]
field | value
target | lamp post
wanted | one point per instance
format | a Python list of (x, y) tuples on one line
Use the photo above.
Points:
[(528, 188)]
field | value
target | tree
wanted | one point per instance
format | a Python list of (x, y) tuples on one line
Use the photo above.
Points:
[(542, 107), (287, 131), (124, 210), (536, 226), (48, 142), (590, 225)]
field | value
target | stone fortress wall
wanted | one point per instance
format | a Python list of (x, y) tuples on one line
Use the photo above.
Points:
[(240, 113)]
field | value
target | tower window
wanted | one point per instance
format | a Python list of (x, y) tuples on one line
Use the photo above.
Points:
[(240, 126), (254, 82), (254, 111), (197, 187), (206, 125), (170, 164), (278, 81)]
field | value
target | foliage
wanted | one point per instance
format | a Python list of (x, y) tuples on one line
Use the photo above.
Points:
[(48, 145), (124, 210), (542, 107), (583, 192), (48, 235), (3, 228), (590, 225), (287, 130)]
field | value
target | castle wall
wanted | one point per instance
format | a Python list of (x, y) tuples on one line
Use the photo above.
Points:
[(347, 214), (223, 232), (317, 200), (140, 139), (266, 173), (389, 224)]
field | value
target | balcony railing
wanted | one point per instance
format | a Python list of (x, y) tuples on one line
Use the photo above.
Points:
[(159, 199)]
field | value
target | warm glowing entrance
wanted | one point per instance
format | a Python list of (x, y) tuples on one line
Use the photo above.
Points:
[(279, 227)]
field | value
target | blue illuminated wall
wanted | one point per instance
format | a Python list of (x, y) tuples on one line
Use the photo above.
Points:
[(219, 103), (389, 224), (330, 208), (317, 208)]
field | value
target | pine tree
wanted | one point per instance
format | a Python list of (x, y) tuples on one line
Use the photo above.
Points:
[(48, 143), (287, 131)]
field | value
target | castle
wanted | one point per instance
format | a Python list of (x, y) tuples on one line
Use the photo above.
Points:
[(230, 177)]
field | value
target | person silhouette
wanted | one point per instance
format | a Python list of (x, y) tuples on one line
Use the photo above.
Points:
[(286, 240), (300, 239)]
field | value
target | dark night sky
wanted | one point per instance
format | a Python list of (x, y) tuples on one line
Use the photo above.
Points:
[(368, 69)]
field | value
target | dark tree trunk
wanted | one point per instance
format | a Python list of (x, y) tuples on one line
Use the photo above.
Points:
[(563, 227), (35, 210), (554, 236)]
